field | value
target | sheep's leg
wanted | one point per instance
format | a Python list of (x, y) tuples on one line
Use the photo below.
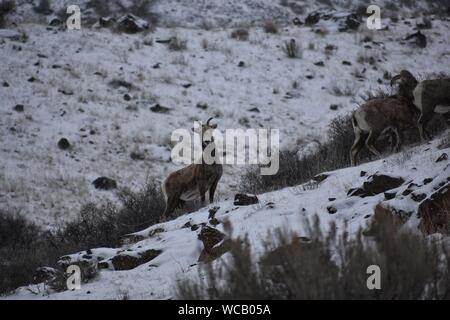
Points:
[(212, 190), (171, 205), (421, 123), (202, 190), (370, 141), (398, 139), (356, 147)]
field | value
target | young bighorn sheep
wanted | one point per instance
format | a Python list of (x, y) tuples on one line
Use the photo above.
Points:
[(192, 182), (375, 118), (426, 96)]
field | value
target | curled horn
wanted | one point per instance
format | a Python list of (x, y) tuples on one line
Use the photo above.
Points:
[(395, 79), (211, 126)]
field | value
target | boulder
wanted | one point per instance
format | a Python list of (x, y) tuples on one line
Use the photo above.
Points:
[(376, 184), (241, 199), (215, 244), (434, 212), (104, 183), (130, 260), (131, 24), (64, 144), (312, 18)]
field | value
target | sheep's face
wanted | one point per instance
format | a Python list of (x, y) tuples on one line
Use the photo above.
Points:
[(407, 83)]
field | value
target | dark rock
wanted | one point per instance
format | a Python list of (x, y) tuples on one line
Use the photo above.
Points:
[(126, 97), (442, 157), (334, 107), (379, 183), (19, 108), (44, 274), (297, 22), (215, 244), (420, 39), (435, 211), (389, 195), (346, 63), (104, 183), (320, 177), (312, 18), (106, 22), (131, 24), (241, 199), (214, 222), (241, 64), (212, 212), (157, 108), (331, 199), (64, 144), (65, 92), (124, 261), (254, 110), (331, 210), (31, 79), (137, 155), (117, 83), (202, 106), (194, 227), (418, 197), (5, 84), (362, 173), (319, 63), (352, 22), (187, 85), (427, 180)]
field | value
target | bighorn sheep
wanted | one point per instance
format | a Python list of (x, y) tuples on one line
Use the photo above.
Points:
[(426, 96), (192, 182), (375, 118)]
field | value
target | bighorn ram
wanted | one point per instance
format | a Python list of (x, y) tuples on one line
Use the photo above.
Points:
[(426, 96), (192, 182), (376, 117)]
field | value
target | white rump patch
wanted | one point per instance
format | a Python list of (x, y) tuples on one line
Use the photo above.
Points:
[(418, 96)]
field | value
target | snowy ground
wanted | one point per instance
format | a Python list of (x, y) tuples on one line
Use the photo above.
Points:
[(63, 80), (286, 209)]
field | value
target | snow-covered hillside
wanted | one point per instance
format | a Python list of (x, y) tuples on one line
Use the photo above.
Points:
[(68, 85), (178, 247)]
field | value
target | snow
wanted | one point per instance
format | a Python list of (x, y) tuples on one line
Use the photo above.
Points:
[(71, 97), (37, 176), (291, 207)]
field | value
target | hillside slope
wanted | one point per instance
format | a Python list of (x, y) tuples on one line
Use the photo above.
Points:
[(422, 168)]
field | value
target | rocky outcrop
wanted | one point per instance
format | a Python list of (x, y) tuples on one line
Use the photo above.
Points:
[(130, 260), (376, 184), (215, 244), (242, 199), (435, 211), (104, 183)]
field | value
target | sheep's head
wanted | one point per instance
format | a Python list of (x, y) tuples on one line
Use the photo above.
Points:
[(407, 83), (205, 131)]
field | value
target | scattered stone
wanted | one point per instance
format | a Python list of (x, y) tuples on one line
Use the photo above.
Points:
[(202, 106), (427, 180), (65, 92), (331, 199), (420, 39), (434, 211), (320, 177), (334, 107), (187, 85), (362, 173), (212, 212), (126, 97), (297, 22), (18, 108), (241, 199), (5, 84), (31, 79), (194, 227), (44, 274), (64, 144), (214, 222), (442, 157), (418, 197), (124, 261), (106, 22), (104, 183), (215, 244), (254, 110), (241, 64), (331, 210), (389, 195), (376, 184), (312, 18), (132, 24), (319, 63), (157, 108), (136, 155), (346, 63)]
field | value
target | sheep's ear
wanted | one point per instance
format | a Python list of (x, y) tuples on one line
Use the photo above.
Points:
[(213, 126)]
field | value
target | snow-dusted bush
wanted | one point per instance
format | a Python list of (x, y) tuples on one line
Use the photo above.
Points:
[(330, 266)]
